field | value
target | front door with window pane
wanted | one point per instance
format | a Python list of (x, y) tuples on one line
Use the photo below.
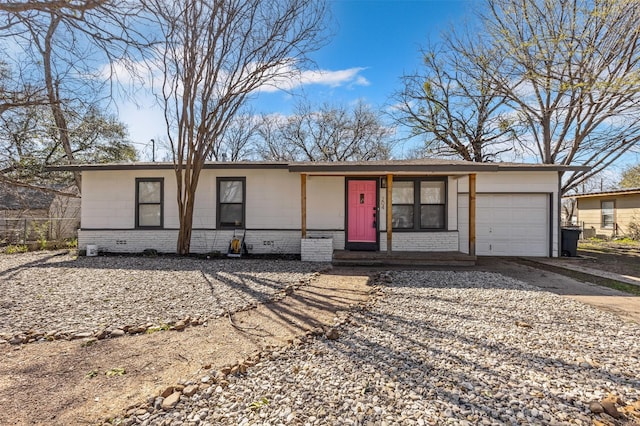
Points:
[(362, 214)]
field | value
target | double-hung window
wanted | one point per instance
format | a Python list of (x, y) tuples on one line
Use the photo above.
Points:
[(419, 204), (149, 202), (607, 211), (231, 202)]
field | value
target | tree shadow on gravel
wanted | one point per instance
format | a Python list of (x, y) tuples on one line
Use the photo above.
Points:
[(9, 272), (231, 285), (465, 383), (175, 263)]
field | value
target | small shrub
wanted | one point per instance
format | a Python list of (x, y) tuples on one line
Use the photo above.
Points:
[(634, 229), (163, 327), (116, 372), (18, 248), (256, 405), (41, 231), (150, 252)]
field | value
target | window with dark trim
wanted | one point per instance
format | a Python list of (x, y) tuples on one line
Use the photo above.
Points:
[(419, 204), (149, 202), (230, 212), (607, 214)]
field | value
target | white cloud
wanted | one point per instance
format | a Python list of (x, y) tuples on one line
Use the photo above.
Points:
[(289, 79)]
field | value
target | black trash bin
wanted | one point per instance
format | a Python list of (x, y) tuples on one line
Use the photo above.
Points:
[(570, 237)]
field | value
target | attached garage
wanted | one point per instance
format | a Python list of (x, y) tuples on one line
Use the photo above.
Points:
[(512, 224)]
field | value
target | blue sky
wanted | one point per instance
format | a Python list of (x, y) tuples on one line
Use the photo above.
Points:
[(374, 42)]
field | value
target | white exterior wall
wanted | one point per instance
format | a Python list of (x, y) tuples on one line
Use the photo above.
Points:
[(273, 212), (452, 204), (517, 182), (325, 202)]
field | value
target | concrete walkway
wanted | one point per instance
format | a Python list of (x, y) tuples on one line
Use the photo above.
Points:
[(624, 305), (572, 264)]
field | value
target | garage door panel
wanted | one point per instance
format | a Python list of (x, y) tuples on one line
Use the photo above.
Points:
[(512, 224)]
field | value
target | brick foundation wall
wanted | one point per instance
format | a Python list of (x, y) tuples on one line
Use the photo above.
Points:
[(202, 241), (316, 250), (421, 241)]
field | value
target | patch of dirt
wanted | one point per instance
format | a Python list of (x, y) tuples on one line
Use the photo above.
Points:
[(611, 256), (50, 383)]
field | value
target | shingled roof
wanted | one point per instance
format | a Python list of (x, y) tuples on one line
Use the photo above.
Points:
[(20, 198)]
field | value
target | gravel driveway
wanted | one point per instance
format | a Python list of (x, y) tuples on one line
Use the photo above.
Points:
[(439, 348), (58, 295)]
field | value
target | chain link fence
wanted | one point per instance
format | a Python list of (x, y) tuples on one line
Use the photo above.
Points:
[(25, 230)]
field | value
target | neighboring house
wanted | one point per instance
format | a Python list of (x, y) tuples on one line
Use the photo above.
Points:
[(436, 206), (26, 213), (608, 213)]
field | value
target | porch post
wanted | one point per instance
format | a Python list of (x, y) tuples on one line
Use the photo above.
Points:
[(303, 204), (389, 213), (472, 214)]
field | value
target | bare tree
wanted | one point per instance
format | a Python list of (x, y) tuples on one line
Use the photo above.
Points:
[(326, 133), (217, 53), (570, 71), (14, 94), (452, 104), (236, 140), (60, 55)]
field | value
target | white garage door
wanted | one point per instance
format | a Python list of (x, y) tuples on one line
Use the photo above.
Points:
[(509, 224)]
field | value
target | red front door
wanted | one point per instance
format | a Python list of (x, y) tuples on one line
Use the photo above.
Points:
[(362, 218)]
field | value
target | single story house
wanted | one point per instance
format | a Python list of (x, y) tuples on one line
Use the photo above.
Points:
[(425, 205), (608, 213)]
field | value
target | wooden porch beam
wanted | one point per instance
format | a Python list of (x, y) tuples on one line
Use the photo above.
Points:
[(389, 214), (303, 204), (472, 214)]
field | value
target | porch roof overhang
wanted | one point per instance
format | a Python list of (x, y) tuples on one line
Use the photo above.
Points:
[(435, 166), (168, 166), (381, 167)]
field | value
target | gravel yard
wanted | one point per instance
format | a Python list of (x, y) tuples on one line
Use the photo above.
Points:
[(438, 348), (53, 295)]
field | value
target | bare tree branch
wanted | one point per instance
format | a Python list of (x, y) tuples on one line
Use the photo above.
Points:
[(215, 55), (326, 133), (571, 70)]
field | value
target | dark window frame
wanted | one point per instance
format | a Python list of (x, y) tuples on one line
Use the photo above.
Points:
[(242, 179), (138, 203), (417, 204), (603, 225)]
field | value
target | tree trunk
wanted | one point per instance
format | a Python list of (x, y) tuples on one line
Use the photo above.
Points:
[(187, 178), (184, 234), (53, 94)]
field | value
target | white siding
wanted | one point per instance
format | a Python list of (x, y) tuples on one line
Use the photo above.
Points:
[(452, 204), (325, 202), (273, 211)]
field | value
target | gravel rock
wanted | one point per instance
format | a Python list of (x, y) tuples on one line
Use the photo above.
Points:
[(438, 348), (52, 291)]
